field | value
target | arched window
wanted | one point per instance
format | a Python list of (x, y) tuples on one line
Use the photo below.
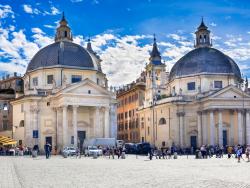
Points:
[(21, 124), (162, 121), (65, 33)]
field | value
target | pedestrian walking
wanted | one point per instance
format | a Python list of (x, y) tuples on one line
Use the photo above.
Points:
[(229, 152), (248, 153), (239, 153), (47, 148)]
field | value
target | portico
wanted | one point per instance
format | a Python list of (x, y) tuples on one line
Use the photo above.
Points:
[(75, 113)]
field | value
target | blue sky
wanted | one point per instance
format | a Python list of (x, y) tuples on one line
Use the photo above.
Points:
[(121, 31)]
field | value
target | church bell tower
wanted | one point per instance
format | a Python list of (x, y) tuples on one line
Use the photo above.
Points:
[(63, 32), (202, 36)]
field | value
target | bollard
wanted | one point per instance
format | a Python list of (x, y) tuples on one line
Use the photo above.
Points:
[(175, 155), (123, 155), (95, 155), (34, 153)]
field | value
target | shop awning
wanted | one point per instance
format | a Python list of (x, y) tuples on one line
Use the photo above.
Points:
[(6, 141)]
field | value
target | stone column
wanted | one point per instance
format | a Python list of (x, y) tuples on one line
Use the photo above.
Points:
[(248, 127), (35, 111), (97, 127), (232, 127), (220, 130), (107, 126), (55, 125), (240, 128), (199, 128), (212, 128), (204, 127), (181, 127), (65, 126), (75, 125)]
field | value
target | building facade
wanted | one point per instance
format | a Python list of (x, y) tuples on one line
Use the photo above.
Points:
[(10, 86), (200, 102), (66, 100), (129, 98)]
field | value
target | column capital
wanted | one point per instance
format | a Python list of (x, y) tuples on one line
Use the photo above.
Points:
[(231, 111), (64, 106), (240, 110), (180, 114), (204, 111), (75, 106), (199, 112)]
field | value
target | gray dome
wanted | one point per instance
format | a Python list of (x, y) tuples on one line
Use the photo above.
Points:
[(63, 54), (204, 61)]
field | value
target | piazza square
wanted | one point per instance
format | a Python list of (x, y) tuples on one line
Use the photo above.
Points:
[(148, 93), (130, 172)]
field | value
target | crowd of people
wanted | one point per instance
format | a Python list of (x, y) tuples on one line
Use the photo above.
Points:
[(204, 152)]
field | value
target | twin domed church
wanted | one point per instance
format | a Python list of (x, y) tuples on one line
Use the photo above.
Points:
[(199, 102), (66, 98)]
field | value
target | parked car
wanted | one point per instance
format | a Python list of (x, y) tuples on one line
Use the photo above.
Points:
[(130, 148), (90, 150), (69, 151), (143, 148)]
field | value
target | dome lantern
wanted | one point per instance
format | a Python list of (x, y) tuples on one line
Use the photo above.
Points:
[(63, 32), (202, 36)]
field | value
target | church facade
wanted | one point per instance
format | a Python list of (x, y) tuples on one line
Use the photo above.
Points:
[(66, 98), (201, 101)]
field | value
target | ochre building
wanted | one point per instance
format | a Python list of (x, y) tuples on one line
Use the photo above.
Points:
[(129, 98)]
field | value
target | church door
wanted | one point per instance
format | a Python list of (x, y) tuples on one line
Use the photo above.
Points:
[(224, 137), (81, 135), (193, 142)]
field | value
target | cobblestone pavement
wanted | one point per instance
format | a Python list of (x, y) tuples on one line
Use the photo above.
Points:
[(103, 172)]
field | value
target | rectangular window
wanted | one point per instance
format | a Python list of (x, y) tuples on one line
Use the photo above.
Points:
[(35, 81), (142, 125), (76, 78), (148, 131), (191, 86), (5, 124), (50, 79), (217, 84)]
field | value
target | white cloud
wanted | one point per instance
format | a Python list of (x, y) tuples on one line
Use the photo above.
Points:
[(53, 11), (213, 24), (76, 1), (6, 11), (37, 30), (176, 37), (29, 10), (49, 26), (123, 60)]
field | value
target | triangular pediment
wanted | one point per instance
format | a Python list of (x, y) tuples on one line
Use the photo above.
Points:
[(85, 87), (229, 92)]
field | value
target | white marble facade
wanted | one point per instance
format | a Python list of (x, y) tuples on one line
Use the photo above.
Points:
[(65, 99)]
